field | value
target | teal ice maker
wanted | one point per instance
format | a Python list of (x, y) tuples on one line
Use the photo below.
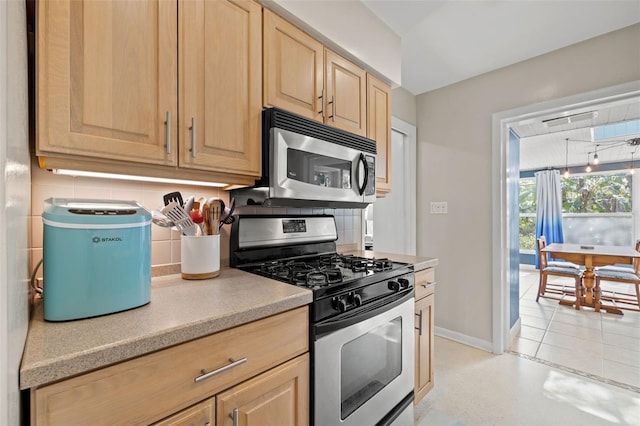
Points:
[(96, 257)]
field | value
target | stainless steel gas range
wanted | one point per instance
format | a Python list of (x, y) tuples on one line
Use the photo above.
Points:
[(361, 318)]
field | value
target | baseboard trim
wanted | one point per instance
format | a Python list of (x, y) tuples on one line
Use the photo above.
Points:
[(514, 332), (464, 339)]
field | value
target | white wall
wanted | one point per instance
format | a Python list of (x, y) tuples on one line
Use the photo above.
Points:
[(14, 204), (350, 28), (454, 164), (403, 105)]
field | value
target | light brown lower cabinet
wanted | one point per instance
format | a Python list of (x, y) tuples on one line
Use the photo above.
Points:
[(258, 368), (202, 414), (279, 396), (424, 333)]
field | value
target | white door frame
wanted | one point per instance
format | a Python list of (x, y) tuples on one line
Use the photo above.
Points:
[(410, 160), (500, 166)]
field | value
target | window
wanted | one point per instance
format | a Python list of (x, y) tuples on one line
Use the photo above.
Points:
[(596, 210), (616, 130)]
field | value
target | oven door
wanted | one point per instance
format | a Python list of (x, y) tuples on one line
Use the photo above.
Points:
[(363, 371), (306, 168)]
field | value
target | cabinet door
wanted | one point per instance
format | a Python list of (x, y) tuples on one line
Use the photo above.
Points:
[(379, 129), (424, 347), (202, 414), (345, 86), (293, 68), (279, 396), (107, 77), (220, 87)]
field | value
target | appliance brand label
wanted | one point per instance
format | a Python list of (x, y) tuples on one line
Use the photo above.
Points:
[(97, 240)]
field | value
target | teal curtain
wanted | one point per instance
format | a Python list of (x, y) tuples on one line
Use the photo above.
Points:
[(549, 208)]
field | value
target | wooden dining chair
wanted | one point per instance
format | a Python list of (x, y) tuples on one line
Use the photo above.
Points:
[(556, 268), (628, 267), (628, 273)]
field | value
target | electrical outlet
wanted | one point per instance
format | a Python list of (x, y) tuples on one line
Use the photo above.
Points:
[(438, 207)]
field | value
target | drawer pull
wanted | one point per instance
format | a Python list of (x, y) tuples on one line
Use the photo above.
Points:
[(229, 366), (419, 328), (428, 284)]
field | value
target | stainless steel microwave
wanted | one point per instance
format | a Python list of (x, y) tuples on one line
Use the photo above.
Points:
[(309, 164)]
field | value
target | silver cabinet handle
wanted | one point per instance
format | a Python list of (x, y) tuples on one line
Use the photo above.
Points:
[(419, 327), (322, 103), (235, 417), (193, 137), (229, 366), (333, 110), (428, 284), (167, 133)]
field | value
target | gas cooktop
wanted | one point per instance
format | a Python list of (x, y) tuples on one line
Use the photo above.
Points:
[(324, 270)]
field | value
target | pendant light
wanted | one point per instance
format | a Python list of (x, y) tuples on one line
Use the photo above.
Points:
[(588, 168), (566, 157), (595, 156)]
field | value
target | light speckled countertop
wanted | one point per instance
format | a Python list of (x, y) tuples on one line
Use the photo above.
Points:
[(179, 311), (419, 263)]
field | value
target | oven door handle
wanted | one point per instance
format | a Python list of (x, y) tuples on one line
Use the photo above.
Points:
[(362, 314), (365, 166)]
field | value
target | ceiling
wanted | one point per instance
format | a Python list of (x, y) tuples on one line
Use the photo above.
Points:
[(544, 145), (446, 41)]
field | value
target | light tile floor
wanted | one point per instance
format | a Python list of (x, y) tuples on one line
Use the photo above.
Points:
[(604, 345), (474, 387), (567, 368)]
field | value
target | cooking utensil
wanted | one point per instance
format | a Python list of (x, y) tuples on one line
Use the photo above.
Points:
[(160, 219), (188, 205), (180, 218), (216, 208), (173, 196), (228, 219)]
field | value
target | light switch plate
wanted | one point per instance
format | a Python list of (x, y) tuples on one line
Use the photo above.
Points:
[(438, 207)]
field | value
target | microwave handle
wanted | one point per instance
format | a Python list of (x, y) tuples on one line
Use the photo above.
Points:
[(363, 160)]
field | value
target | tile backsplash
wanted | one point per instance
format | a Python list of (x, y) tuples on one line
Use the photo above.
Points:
[(165, 246)]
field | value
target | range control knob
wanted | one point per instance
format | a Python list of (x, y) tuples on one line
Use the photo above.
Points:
[(394, 285), (404, 283), (339, 304), (355, 299)]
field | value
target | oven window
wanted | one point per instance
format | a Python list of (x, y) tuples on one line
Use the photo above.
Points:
[(369, 363), (318, 170)]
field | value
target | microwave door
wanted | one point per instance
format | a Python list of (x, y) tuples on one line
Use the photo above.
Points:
[(310, 169)]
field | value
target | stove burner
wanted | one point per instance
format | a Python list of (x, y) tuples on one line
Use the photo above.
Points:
[(330, 260), (359, 264), (316, 278)]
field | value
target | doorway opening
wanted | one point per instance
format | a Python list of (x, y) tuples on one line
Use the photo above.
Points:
[(390, 223), (505, 169)]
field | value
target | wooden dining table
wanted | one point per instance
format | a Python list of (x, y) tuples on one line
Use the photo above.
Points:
[(591, 256)]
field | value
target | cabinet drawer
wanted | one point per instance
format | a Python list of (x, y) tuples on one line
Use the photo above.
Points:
[(425, 281), (153, 386)]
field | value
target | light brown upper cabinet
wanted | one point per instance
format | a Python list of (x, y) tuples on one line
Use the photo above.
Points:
[(220, 86), (379, 129), (346, 97), (293, 68), (303, 77), (107, 79), (108, 88)]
